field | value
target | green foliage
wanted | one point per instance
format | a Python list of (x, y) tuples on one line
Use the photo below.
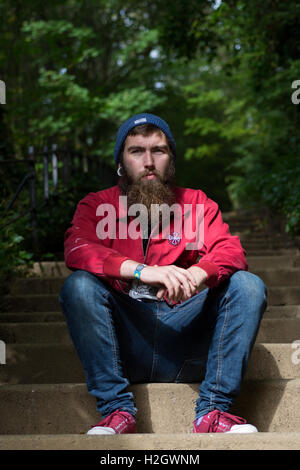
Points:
[(220, 73), (186, 27), (13, 254), (243, 105), (79, 59)]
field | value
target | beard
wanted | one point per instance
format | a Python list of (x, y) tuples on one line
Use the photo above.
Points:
[(149, 193), (157, 191)]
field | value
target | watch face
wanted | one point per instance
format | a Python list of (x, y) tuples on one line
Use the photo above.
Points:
[(140, 267)]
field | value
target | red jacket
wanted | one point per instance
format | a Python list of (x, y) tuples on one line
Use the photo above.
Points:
[(220, 255)]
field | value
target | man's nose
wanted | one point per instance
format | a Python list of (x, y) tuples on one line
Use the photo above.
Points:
[(148, 159)]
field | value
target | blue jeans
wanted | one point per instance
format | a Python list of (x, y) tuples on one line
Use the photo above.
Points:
[(121, 341)]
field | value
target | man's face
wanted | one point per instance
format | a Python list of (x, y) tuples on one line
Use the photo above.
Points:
[(145, 158)]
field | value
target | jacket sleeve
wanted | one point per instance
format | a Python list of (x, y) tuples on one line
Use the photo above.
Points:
[(222, 253), (83, 249)]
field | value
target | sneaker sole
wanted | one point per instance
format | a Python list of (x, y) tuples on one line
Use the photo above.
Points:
[(242, 428), (98, 430)]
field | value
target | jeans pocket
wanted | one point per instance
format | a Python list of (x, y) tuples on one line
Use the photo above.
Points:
[(192, 370)]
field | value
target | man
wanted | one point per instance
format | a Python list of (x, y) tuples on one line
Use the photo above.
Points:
[(158, 295)]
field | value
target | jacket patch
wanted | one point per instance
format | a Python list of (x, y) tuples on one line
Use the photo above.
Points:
[(174, 238)]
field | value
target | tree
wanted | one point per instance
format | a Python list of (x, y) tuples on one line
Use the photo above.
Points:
[(73, 73), (259, 60)]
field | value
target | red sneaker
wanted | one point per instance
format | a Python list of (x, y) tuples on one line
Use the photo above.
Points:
[(219, 421), (119, 422)]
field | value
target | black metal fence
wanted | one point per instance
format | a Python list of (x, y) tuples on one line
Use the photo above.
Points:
[(54, 164)]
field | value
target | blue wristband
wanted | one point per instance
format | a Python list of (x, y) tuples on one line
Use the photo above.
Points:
[(138, 269)]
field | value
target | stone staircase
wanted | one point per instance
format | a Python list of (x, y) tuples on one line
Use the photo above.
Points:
[(44, 403)]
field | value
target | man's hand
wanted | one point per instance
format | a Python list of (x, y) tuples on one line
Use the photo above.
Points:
[(179, 283), (199, 275)]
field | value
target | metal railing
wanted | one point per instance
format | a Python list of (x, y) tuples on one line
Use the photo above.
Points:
[(29, 177), (54, 160)]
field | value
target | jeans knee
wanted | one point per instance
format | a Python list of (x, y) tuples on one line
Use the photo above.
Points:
[(77, 286), (251, 286)]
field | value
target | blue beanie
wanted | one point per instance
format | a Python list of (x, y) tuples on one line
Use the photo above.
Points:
[(138, 120)]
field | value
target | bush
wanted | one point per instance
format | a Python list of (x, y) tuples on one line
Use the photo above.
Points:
[(13, 255)]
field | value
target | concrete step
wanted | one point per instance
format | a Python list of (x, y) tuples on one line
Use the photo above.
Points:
[(41, 363), (37, 332), (49, 302), (38, 285), (152, 442), (68, 408), (284, 295), (260, 263), (30, 303), (254, 235), (30, 317), (252, 252), (241, 215), (243, 225), (280, 277), (273, 311), (50, 269), (276, 330), (44, 403), (250, 245), (59, 363), (59, 269), (282, 311), (48, 285)]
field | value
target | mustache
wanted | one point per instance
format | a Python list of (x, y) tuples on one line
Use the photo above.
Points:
[(152, 172)]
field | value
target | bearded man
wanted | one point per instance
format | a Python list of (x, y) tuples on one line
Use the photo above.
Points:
[(151, 300)]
